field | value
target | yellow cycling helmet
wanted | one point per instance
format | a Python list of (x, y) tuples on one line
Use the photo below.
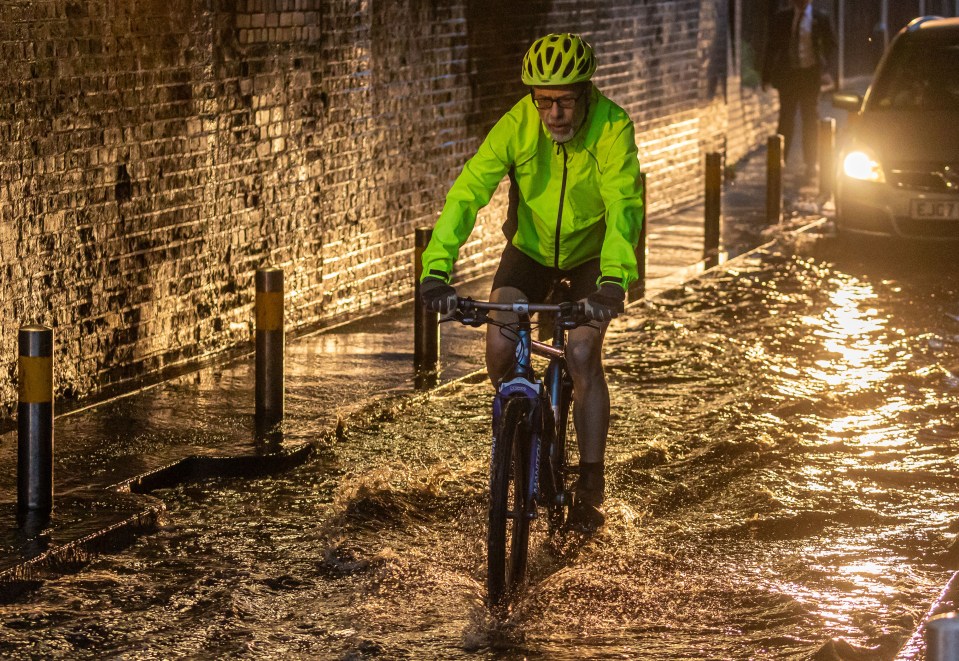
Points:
[(558, 59)]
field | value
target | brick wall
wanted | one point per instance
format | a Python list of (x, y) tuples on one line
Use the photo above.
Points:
[(154, 154)]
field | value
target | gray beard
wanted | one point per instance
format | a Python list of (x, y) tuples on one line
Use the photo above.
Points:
[(563, 137)]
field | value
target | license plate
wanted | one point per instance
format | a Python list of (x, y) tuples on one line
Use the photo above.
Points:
[(934, 209)]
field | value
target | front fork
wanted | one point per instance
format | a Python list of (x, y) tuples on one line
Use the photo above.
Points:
[(533, 453)]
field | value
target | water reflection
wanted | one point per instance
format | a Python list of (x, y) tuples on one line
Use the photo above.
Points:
[(781, 485)]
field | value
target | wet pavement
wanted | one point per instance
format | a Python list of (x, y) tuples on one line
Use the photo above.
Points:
[(111, 456), (781, 485)]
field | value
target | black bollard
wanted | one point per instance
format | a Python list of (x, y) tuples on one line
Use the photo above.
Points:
[(713, 208), (426, 324), (827, 156), (269, 347), (774, 179), (35, 422), (637, 290)]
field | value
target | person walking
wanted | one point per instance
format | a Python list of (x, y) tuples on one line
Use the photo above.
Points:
[(799, 53), (571, 157)]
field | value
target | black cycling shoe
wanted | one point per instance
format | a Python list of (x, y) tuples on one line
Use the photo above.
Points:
[(585, 518)]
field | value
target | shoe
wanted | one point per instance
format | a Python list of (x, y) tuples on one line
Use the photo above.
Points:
[(585, 518)]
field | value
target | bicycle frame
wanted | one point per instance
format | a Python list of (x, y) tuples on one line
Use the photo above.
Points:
[(553, 393)]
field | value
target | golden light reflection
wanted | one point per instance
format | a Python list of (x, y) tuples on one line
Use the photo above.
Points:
[(868, 576), (848, 331), (814, 479), (870, 429), (867, 584), (838, 610)]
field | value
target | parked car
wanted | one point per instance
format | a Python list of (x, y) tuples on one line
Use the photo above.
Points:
[(898, 165)]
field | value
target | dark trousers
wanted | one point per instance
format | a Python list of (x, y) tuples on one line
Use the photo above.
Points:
[(800, 89)]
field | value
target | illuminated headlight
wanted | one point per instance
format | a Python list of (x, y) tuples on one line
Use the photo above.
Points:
[(860, 164)]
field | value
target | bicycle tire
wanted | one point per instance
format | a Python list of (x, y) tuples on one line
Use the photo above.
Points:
[(507, 542)]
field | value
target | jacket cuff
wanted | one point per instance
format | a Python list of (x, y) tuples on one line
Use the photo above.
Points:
[(604, 279), (436, 274)]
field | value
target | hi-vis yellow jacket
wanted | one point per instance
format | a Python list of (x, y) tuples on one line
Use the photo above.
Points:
[(577, 200)]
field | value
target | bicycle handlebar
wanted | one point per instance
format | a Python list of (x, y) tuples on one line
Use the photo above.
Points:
[(572, 308), (569, 315)]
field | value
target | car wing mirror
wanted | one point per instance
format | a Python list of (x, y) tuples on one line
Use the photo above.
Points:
[(847, 101)]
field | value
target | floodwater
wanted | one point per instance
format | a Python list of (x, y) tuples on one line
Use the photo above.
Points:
[(782, 484)]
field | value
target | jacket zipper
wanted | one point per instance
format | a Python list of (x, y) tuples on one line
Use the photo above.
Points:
[(559, 215)]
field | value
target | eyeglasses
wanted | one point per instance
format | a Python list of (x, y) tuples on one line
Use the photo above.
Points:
[(564, 102)]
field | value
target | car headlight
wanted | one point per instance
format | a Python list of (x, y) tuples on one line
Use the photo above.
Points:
[(861, 164)]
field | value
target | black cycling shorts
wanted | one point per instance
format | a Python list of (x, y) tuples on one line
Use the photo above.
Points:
[(544, 284)]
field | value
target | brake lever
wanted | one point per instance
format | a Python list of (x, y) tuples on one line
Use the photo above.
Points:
[(476, 320), (572, 314), (468, 315)]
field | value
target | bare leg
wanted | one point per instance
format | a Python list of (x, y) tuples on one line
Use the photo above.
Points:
[(584, 356), (500, 348)]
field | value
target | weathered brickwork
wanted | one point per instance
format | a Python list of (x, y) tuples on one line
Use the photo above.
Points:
[(153, 154)]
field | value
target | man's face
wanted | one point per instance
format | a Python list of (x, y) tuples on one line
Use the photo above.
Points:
[(562, 108)]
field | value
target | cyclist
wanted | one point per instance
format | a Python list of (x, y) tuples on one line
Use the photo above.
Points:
[(575, 215)]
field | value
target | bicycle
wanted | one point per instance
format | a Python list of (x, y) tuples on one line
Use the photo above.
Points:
[(530, 464)]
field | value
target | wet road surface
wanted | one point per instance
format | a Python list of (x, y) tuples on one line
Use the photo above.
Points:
[(782, 483)]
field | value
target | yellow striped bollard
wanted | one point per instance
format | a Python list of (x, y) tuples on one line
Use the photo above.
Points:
[(269, 347), (774, 179), (713, 209), (827, 156), (35, 421)]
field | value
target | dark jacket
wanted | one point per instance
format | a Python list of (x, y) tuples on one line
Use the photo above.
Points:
[(776, 64)]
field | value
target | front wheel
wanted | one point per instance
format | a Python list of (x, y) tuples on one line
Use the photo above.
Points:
[(508, 535)]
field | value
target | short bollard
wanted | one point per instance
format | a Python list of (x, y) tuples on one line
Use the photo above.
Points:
[(637, 290), (426, 324), (269, 347), (713, 208), (774, 179), (35, 421), (942, 637), (827, 156)]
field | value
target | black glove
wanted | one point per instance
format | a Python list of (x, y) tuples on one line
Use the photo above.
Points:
[(437, 295), (606, 302)]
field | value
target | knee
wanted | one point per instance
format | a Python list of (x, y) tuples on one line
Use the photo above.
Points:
[(584, 360), (500, 355)]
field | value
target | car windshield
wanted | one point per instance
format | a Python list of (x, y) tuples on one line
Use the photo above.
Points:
[(920, 75)]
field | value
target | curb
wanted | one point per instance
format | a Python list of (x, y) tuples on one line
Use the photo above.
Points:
[(134, 494), (65, 558)]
